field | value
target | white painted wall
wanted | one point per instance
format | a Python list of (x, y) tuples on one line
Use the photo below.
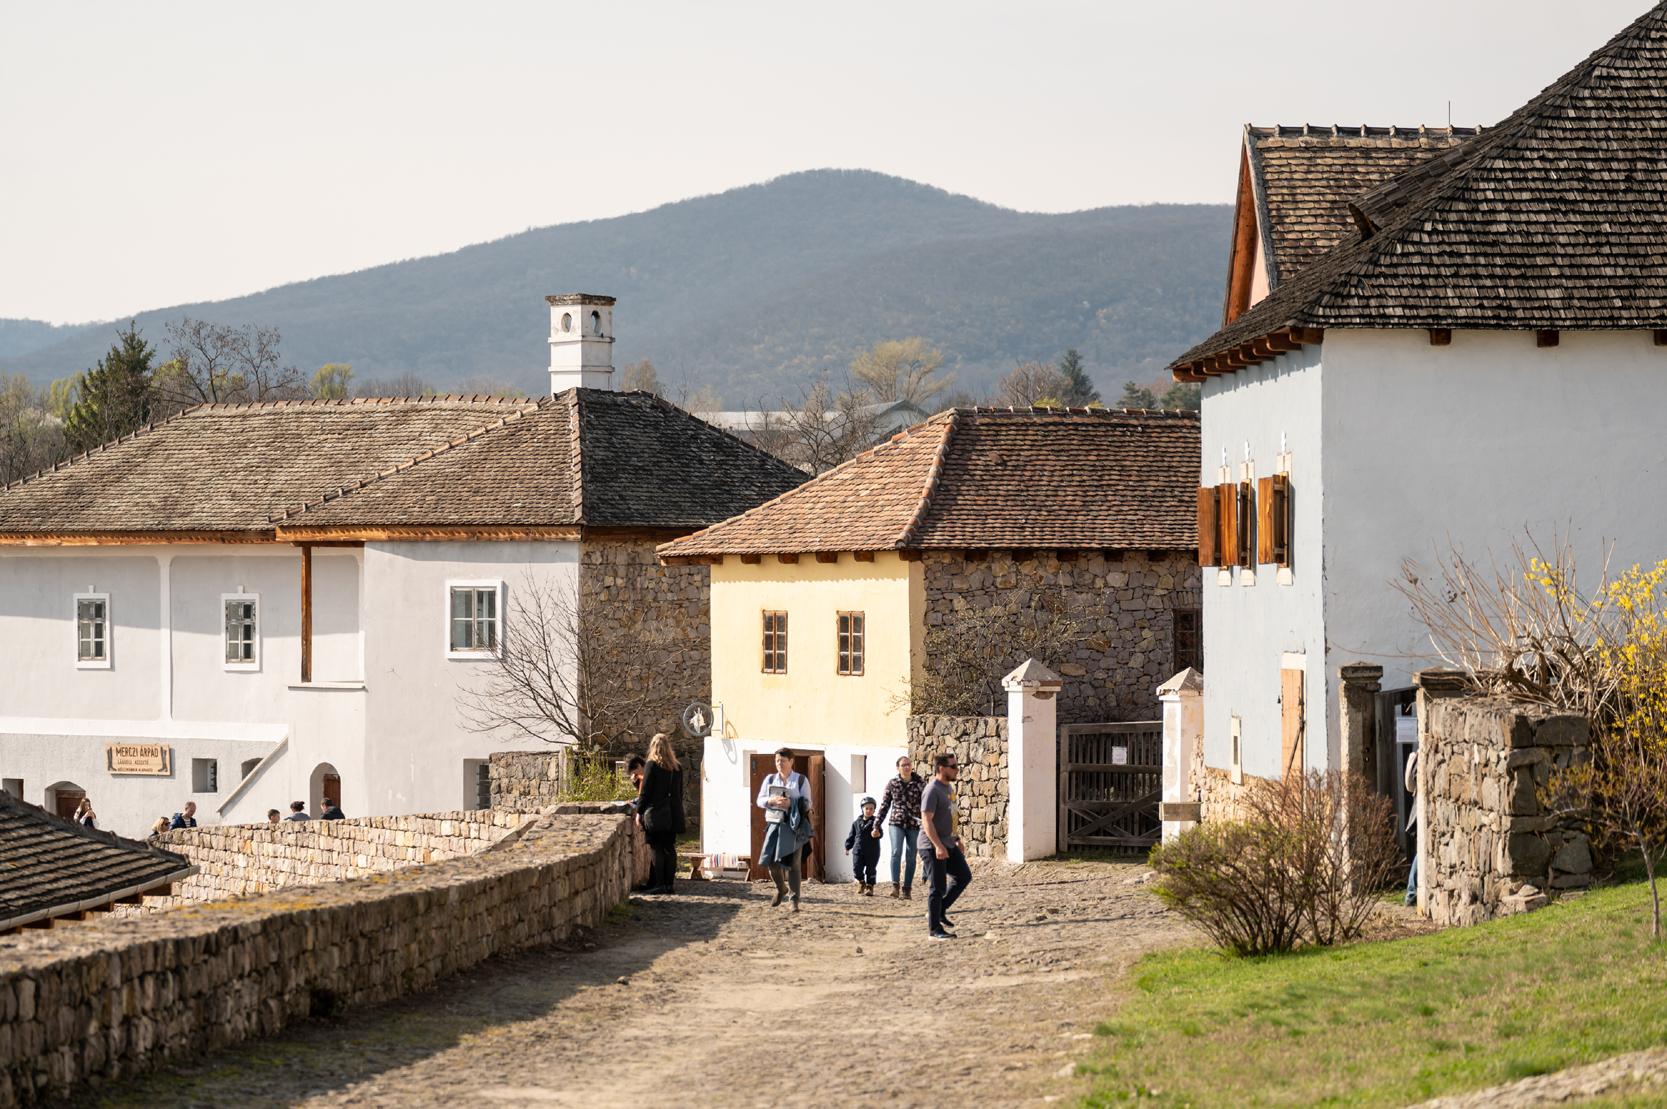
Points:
[(418, 734), (1251, 619), (726, 797), (1478, 444)]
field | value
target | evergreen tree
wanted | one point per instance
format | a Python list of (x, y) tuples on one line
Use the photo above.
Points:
[(114, 397), (1081, 392), (1136, 396), (1182, 395)]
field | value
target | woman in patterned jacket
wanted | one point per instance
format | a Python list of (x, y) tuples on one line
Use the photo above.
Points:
[(901, 801)]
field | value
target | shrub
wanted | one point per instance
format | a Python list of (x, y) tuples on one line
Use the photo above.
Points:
[(1303, 864), (592, 777)]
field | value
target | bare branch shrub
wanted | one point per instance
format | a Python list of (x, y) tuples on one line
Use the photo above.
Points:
[(1303, 864), (826, 427), (973, 649), (571, 674), (211, 362)]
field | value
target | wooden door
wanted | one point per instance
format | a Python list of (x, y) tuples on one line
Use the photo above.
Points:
[(813, 767), (332, 789), (1290, 721), (66, 801)]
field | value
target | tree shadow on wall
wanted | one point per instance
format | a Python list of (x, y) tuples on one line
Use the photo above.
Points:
[(329, 1055)]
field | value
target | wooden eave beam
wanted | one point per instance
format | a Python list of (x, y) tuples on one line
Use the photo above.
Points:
[(827, 556), (131, 538), (788, 558), (428, 534), (1441, 336), (1661, 337), (910, 556), (1547, 337), (863, 556), (752, 559)]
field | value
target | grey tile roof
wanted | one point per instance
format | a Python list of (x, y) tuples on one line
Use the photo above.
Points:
[(979, 478), (1555, 218), (583, 458), (48, 866), (1306, 176)]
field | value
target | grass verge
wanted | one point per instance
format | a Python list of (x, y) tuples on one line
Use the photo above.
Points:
[(1392, 1022)]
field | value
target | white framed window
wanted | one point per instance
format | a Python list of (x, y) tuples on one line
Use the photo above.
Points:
[(205, 775), (241, 630), (474, 618), (92, 631)]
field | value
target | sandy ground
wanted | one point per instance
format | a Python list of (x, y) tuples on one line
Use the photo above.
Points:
[(712, 997)]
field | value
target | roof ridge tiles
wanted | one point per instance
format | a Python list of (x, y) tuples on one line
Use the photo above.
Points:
[(933, 473)]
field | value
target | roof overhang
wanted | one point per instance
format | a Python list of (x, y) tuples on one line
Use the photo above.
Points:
[(1248, 353), (129, 894)]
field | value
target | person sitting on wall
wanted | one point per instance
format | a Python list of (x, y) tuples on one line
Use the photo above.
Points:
[(332, 811), (297, 811), (186, 817), (84, 814), (272, 816), (162, 825)]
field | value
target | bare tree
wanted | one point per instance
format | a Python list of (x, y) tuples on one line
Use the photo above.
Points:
[(31, 437), (406, 384), (972, 650), (826, 427), (642, 375), (211, 362), (902, 369), (1033, 384), (572, 674)]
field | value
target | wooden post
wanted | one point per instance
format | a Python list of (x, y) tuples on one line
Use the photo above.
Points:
[(306, 613)]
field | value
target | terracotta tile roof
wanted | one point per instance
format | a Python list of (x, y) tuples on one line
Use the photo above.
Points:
[(1554, 219), (49, 866), (625, 460), (978, 478), (1305, 177), (584, 457)]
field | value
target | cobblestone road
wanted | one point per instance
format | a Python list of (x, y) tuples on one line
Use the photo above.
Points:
[(713, 997)]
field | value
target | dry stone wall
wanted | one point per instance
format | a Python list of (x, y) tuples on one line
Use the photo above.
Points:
[(237, 859), (526, 781), (107, 999), (1122, 603), (1492, 848), (979, 744)]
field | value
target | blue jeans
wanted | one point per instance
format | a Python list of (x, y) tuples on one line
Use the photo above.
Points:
[(1412, 879), (903, 841)]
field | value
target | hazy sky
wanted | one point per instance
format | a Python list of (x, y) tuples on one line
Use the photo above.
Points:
[(159, 153)]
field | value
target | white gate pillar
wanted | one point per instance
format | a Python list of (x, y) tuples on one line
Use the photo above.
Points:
[(1032, 762), (1183, 731)]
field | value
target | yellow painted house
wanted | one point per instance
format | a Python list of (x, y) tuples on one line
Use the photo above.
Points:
[(823, 599)]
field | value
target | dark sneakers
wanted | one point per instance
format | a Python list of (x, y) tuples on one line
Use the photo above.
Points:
[(942, 936)]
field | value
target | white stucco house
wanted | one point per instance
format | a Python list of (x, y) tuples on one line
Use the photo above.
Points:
[(1433, 338), (247, 605)]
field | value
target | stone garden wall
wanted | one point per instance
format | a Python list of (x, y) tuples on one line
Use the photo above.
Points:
[(526, 781), (236, 859), (1122, 604), (1490, 848), (109, 998), (980, 746)]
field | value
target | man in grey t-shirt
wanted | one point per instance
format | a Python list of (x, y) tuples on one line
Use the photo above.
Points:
[(947, 873)]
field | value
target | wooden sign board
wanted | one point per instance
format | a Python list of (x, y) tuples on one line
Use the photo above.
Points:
[(154, 759)]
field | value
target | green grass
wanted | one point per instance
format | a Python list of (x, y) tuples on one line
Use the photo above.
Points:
[(1392, 1022)]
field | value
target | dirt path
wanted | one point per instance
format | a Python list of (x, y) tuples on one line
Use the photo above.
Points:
[(715, 998)]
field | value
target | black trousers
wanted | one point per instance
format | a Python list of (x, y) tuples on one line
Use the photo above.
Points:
[(663, 866), (945, 879), (865, 868)]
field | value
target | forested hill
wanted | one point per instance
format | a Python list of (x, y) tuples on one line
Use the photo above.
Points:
[(752, 290)]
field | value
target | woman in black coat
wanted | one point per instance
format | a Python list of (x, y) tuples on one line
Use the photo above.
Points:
[(660, 811)]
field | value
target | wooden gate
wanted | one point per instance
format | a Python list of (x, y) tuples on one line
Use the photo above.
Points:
[(1110, 783)]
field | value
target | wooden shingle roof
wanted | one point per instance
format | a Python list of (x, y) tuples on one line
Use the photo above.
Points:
[(1306, 177), (1554, 219), (981, 478), (582, 458), (49, 867)]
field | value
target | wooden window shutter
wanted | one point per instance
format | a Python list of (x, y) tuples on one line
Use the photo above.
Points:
[(1227, 508), (1264, 521), (1209, 552), (1279, 515), (1290, 721), (1245, 512)]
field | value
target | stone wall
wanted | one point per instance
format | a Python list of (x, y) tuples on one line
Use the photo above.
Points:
[(237, 859), (1122, 603), (1491, 848), (980, 746), (106, 999), (640, 600), (526, 781)]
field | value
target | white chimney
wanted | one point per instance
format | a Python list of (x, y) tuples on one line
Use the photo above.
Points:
[(581, 341)]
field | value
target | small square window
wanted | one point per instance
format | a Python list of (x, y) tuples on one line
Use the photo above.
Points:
[(775, 643), (242, 630), (205, 775), (92, 631), (850, 644), (13, 786), (477, 784), (1187, 641), (472, 618)]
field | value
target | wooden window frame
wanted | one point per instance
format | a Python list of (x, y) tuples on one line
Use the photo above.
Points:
[(251, 663), (774, 624), (850, 643), (1196, 658), (1244, 517), (106, 641)]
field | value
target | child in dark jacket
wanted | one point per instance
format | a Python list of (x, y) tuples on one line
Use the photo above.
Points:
[(867, 847)]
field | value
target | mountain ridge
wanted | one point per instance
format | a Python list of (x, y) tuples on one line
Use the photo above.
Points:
[(750, 291)]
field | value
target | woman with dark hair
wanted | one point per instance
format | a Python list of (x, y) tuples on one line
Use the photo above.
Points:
[(785, 798), (660, 811)]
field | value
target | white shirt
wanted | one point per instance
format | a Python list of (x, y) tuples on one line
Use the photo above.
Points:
[(794, 784)]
